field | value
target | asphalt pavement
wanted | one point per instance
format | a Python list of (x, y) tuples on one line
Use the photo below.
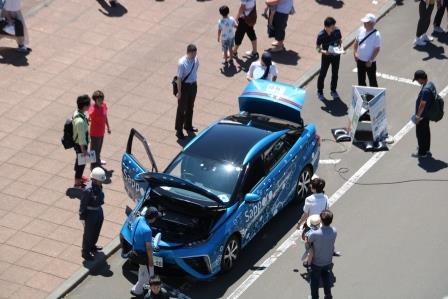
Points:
[(391, 226)]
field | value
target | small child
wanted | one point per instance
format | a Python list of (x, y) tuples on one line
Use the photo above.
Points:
[(226, 33), (98, 123), (313, 223), (155, 289)]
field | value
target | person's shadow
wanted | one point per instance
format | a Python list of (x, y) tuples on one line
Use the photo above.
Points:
[(335, 107), (98, 266), (441, 37), (433, 51), (12, 57), (187, 139), (230, 70), (288, 57), (112, 11), (333, 3), (431, 165)]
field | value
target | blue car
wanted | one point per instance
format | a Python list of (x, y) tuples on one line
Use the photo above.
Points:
[(226, 184)]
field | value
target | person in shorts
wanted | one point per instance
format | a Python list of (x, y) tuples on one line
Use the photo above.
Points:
[(283, 9), (226, 33)]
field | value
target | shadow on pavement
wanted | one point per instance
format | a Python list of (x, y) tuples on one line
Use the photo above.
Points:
[(433, 51), (186, 140), (333, 3), (110, 11), (74, 193), (288, 57), (441, 37), (12, 57), (335, 107), (99, 266), (432, 165), (216, 287), (230, 70)]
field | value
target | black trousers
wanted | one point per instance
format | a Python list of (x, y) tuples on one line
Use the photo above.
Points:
[(318, 273), (363, 70), (440, 12), (94, 222), (424, 12), (325, 63), (243, 29), (79, 169), (423, 136), (185, 105), (96, 144)]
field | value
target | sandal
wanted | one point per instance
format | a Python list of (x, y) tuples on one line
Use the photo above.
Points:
[(277, 49)]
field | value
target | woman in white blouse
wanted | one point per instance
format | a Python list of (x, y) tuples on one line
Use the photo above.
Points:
[(263, 69)]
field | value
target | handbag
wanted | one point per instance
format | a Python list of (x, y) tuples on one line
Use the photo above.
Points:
[(251, 18), (174, 81), (135, 256)]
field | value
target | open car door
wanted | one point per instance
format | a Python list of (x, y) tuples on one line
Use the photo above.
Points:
[(137, 159)]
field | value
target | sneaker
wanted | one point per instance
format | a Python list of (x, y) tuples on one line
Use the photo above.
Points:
[(22, 49), (417, 155), (419, 42), (438, 29), (427, 38), (320, 96), (252, 54), (103, 162), (335, 95)]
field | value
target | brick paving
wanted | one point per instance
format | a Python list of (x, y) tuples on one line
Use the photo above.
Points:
[(79, 47)]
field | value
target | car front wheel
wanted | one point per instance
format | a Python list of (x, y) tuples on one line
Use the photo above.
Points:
[(231, 253), (303, 189)]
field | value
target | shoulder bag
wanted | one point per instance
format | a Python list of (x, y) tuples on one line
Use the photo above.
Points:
[(174, 81)]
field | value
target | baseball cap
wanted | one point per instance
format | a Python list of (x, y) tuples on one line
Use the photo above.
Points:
[(420, 74), (369, 18), (152, 213)]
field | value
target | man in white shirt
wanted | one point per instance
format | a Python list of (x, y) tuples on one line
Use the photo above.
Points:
[(13, 14), (366, 49), (315, 203)]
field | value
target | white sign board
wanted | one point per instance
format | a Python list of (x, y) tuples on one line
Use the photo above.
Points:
[(372, 99)]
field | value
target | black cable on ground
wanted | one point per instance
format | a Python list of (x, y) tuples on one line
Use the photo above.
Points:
[(342, 170)]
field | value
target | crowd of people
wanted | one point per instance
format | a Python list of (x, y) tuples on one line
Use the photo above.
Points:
[(89, 123)]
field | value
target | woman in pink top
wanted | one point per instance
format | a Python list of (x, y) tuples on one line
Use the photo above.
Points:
[(98, 124)]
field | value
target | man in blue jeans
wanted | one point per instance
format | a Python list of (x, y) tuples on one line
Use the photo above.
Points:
[(322, 241)]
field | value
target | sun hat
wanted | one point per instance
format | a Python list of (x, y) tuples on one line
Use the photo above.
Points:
[(313, 220)]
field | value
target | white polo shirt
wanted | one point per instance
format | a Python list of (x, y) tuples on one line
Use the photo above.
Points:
[(13, 5), (249, 5), (365, 50)]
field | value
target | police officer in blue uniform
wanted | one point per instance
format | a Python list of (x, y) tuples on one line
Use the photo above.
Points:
[(91, 213)]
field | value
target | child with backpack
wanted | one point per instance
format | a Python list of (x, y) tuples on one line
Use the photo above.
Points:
[(98, 124)]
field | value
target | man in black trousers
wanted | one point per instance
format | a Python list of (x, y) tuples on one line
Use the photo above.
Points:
[(187, 70), (425, 99), (328, 38)]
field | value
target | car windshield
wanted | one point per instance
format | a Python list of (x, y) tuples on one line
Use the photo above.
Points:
[(214, 176)]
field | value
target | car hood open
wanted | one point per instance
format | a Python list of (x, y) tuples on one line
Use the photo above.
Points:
[(163, 179), (273, 99)]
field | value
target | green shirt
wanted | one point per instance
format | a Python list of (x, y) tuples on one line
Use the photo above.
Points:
[(80, 128)]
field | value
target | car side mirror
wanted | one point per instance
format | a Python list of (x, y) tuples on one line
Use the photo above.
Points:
[(251, 197)]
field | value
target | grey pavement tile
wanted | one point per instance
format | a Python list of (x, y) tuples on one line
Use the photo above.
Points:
[(35, 261), (25, 292), (23, 240), (40, 227), (8, 288), (49, 247), (10, 254), (6, 233), (15, 221)]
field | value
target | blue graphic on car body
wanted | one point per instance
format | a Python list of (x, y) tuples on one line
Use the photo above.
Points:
[(227, 183)]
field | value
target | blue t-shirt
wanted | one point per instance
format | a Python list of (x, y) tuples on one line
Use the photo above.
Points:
[(426, 95), (322, 241), (143, 234)]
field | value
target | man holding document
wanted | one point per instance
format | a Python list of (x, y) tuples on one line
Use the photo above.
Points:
[(81, 138)]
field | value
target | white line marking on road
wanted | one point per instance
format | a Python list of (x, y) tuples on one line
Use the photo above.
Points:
[(332, 200), (393, 78), (444, 92), (330, 161)]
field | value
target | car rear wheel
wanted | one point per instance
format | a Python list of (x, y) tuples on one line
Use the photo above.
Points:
[(231, 253), (303, 189)]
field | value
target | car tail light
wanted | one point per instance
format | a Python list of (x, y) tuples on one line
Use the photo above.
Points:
[(318, 139)]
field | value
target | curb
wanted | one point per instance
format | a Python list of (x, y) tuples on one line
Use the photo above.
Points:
[(347, 42), (73, 281)]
